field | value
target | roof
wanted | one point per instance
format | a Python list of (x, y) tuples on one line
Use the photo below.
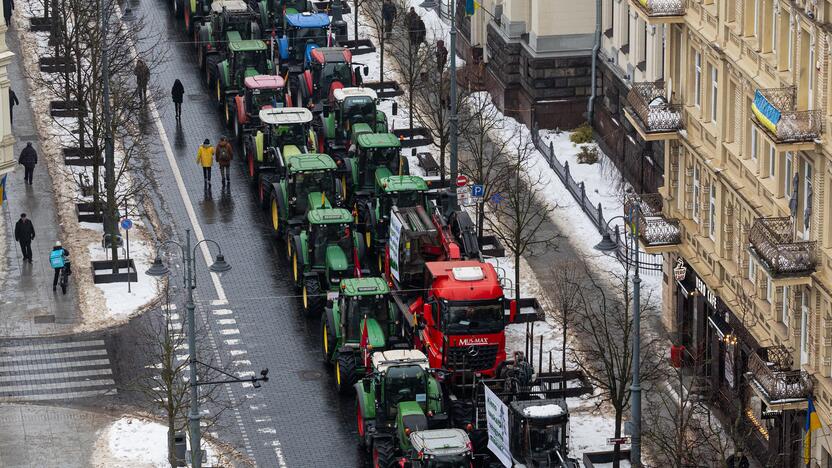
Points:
[(329, 216), (455, 280), (230, 5), (378, 140), (247, 45), (364, 286), (310, 162), (440, 441), (384, 360), (406, 183), (285, 115), (308, 20), (264, 82), (343, 93), (332, 55)]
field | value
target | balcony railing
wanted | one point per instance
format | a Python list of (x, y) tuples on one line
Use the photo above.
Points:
[(651, 107), (772, 240), (662, 7), (654, 229), (774, 110), (779, 385)]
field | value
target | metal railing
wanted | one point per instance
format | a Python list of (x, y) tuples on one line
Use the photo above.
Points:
[(772, 241), (652, 108), (779, 385), (792, 125), (662, 7), (654, 228), (647, 262)]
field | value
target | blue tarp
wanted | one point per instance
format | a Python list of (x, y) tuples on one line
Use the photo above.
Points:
[(306, 20)]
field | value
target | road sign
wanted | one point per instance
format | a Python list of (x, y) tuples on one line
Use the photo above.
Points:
[(618, 440), (463, 196), (477, 190), (127, 224), (461, 180)]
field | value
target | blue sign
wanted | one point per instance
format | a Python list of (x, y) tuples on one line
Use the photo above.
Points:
[(497, 198), (126, 224), (477, 190)]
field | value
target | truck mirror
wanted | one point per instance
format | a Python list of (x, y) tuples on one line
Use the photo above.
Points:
[(358, 79), (366, 70), (395, 108), (512, 311)]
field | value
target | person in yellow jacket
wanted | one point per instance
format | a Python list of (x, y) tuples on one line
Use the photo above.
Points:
[(205, 158)]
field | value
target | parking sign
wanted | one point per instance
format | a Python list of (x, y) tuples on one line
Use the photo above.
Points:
[(477, 190)]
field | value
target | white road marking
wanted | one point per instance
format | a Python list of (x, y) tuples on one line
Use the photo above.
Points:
[(55, 386), (228, 321), (36, 357), (238, 352), (221, 312), (57, 365), (55, 375), (69, 395), (50, 346), (230, 331), (232, 342), (242, 362)]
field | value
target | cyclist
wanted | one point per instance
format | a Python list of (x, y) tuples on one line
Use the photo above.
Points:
[(59, 259)]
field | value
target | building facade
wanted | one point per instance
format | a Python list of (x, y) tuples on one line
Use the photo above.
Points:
[(535, 56), (743, 214), (7, 157)]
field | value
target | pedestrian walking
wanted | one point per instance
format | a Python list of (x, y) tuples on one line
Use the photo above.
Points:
[(28, 158), (441, 56), (388, 15), (58, 259), (224, 154), (142, 78), (205, 158), (412, 22), (176, 93), (24, 233), (8, 6), (12, 102)]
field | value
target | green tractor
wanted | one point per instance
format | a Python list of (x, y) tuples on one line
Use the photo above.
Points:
[(401, 395), (438, 448), (247, 58), (307, 183), (351, 112), (378, 156), (357, 321), (194, 11), (323, 254), (228, 21)]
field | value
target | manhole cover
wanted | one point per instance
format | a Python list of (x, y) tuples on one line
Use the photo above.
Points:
[(197, 97), (44, 318), (308, 375)]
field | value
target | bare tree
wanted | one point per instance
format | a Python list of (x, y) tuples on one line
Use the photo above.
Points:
[(410, 61), (519, 214), (604, 353), (485, 152)]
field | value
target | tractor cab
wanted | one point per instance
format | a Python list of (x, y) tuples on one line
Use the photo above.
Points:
[(303, 33), (283, 132), (378, 156), (351, 112), (309, 184), (541, 426), (327, 69), (246, 58), (439, 448), (229, 21), (401, 396), (261, 92), (323, 254), (357, 321), (273, 12)]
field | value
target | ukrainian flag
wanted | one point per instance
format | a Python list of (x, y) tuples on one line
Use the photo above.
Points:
[(3, 189), (471, 6), (766, 113), (812, 423)]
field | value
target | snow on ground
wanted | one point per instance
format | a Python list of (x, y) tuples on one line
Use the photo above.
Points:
[(589, 432), (136, 443)]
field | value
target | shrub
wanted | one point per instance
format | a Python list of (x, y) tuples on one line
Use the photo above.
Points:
[(582, 134), (588, 154)]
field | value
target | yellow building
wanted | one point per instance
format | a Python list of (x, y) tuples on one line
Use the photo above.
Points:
[(7, 158), (744, 211)]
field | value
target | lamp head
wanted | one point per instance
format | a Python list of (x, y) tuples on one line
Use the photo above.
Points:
[(158, 268), (606, 244), (220, 265)]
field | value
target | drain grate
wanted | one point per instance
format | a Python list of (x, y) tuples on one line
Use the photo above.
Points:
[(45, 318), (309, 375)]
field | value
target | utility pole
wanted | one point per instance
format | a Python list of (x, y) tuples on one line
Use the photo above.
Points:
[(635, 388), (193, 413), (110, 214), (454, 118)]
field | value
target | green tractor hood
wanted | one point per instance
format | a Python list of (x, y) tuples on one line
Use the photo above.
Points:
[(336, 259), (410, 416), (375, 334), (317, 200)]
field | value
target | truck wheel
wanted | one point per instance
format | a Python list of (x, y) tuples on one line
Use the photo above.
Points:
[(345, 374), (313, 297), (383, 453), (327, 340)]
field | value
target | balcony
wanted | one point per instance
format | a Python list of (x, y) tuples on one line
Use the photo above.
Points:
[(657, 233), (773, 243), (780, 387), (660, 11), (773, 111), (653, 117)]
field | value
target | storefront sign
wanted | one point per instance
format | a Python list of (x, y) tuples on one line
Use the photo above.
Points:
[(680, 271), (706, 292)]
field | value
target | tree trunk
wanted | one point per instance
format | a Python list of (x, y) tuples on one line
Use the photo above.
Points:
[(442, 143), (480, 218), (617, 451), (516, 276), (355, 16), (381, 55)]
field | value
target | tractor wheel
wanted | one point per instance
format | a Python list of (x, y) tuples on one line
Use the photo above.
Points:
[(187, 14), (362, 427), (314, 300), (238, 134), (175, 6), (275, 216), (327, 340), (250, 162), (211, 62), (345, 373), (227, 113), (219, 98), (288, 246), (384, 453), (297, 273), (261, 194)]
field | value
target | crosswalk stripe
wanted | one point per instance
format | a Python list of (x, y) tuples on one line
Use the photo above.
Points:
[(56, 375), (55, 365), (49, 346), (55, 386), (36, 357), (66, 396)]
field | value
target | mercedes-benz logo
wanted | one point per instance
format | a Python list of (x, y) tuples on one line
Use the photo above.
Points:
[(473, 351)]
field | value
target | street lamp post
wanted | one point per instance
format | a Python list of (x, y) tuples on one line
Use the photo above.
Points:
[(607, 245), (454, 118)]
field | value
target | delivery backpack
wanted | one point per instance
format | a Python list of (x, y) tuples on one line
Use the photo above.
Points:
[(56, 258)]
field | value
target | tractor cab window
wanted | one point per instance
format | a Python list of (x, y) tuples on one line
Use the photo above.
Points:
[(291, 134), (267, 97), (408, 199), (298, 5), (473, 317), (335, 72), (364, 306), (316, 36), (381, 156), (543, 439), (313, 182), (404, 383), (360, 109)]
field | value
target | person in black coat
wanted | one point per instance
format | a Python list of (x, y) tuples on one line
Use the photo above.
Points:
[(12, 102), (388, 14), (441, 55), (28, 158), (24, 233), (8, 6), (177, 92)]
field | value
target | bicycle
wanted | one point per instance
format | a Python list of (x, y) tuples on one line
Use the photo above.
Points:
[(63, 279)]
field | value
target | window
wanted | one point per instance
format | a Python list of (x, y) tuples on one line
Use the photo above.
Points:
[(712, 211), (787, 175), (807, 193), (804, 328), (754, 148), (713, 93), (696, 188), (697, 81), (785, 312), (757, 18), (752, 270), (811, 89), (789, 48), (769, 290), (772, 161), (773, 26)]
